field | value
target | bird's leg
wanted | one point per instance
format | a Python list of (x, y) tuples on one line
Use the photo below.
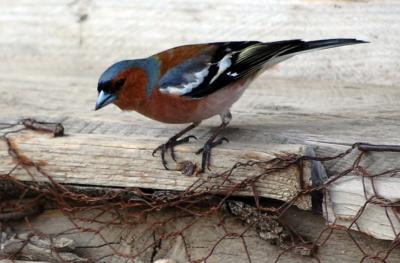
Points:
[(213, 141), (174, 141)]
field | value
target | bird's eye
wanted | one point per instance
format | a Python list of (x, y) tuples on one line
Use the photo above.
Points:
[(106, 86), (118, 84)]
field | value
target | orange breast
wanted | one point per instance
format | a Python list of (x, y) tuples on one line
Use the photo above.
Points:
[(177, 109)]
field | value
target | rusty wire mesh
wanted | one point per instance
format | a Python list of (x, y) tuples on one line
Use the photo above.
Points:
[(130, 207)]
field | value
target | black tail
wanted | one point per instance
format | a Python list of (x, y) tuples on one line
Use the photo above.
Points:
[(305, 46)]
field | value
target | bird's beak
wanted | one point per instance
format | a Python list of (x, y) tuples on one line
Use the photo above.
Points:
[(104, 99)]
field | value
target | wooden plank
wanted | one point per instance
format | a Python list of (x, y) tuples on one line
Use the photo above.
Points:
[(100, 160), (84, 36), (346, 203)]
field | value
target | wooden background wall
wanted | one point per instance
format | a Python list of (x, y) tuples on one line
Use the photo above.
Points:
[(71, 37)]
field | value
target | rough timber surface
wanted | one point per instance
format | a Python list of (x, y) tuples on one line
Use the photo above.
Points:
[(114, 161), (88, 35)]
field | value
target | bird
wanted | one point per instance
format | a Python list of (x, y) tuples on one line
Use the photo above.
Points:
[(191, 83)]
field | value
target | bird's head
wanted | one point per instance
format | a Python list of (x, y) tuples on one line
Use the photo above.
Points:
[(123, 84), (111, 83), (128, 83)]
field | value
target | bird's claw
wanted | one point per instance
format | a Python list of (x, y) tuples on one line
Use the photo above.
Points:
[(206, 150), (163, 148), (213, 144), (185, 139), (170, 144)]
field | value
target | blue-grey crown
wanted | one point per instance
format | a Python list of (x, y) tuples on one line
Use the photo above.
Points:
[(115, 70)]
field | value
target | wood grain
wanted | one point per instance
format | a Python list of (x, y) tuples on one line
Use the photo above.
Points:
[(96, 160), (346, 198), (88, 35)]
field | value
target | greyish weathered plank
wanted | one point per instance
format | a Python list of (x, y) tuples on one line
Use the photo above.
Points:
[(109, 161), (85, 36)]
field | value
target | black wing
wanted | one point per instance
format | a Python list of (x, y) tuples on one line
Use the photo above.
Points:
[(232, 61)]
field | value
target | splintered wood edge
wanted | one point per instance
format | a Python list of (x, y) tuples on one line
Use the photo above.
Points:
[(98, 160)]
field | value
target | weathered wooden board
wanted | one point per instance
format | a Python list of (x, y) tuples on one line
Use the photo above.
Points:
[(98, 160), (88, 35), (346, 202)]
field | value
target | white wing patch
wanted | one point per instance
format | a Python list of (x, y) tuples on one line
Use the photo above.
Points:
[(195, 79), (232, 74), (223, 64)]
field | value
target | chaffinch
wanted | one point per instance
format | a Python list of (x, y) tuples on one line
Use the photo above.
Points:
[(191, 83)]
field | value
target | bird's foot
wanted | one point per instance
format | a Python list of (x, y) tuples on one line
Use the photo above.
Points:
[(206, 152), (170, 144)]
